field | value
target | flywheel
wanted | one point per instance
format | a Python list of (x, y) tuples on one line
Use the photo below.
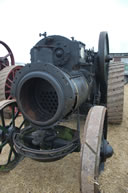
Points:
[(103, 64)]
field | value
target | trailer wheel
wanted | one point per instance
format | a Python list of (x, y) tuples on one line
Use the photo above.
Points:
[(115, 94), (91, 149)]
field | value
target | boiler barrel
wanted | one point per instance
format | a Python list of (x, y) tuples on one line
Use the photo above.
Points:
[(45, 94)]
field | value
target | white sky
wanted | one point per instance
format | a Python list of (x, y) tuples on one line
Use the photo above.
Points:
[(21, 22)]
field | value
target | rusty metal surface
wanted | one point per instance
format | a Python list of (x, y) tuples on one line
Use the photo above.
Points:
[(4, 103), (90, 151)]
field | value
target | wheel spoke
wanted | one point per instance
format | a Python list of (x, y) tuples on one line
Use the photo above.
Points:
[(10, 80), (6, 56), (3, 64), (14, 116), (7, 85), (22, 124), (2, 119), (10, 154), (3, 144)]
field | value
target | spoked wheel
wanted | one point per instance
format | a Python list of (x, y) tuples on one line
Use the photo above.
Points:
[(8, 59), (9, 158), (103, 60), (95, 149), (6, 78)]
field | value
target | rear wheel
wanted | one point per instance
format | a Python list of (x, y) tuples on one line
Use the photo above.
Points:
[(115, 94)]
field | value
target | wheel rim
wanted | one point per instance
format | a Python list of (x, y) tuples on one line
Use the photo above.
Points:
[(91, 147)]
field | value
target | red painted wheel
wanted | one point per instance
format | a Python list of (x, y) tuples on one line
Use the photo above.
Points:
[(8, 59), (6, 78)]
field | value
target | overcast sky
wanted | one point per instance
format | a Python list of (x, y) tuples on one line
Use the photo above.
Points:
[(21, 22)]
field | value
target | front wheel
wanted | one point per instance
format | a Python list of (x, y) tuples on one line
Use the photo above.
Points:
[(95, 149)]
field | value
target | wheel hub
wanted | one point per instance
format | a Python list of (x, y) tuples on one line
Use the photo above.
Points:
[(106, 150)]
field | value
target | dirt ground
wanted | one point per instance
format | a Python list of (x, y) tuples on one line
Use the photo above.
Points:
[(63, 176)]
